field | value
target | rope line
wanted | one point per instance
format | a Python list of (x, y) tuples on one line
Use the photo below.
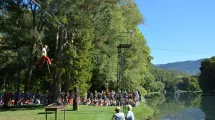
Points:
[(178, 51), (46, 11)]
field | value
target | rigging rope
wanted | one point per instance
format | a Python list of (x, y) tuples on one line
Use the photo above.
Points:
[(46, 12), (178, 51)]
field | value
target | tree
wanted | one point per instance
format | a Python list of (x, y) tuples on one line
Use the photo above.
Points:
[(116, 18), (82, 36), (189, 83), (207, 76), (170, 78)]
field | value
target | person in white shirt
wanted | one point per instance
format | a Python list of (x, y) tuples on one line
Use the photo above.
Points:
[(130, 114), (44, 52), (119, 115), (44, 56)]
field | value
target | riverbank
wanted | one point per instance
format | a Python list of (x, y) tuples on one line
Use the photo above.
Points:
[(141, 112)]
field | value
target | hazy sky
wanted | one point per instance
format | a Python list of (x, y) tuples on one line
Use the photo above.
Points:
[(179, 30)]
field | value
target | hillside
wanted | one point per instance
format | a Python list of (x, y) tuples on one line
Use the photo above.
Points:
[(191, 67)]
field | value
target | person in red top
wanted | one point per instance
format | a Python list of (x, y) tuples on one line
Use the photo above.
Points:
[(44, 56)]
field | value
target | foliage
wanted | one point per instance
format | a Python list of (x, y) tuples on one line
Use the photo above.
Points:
[(143, 92), (207, 76), (166, 79), (172, 80), (188, 83), (136, 63), (14, 43), (105, 55), (143, 112), (82, 37)]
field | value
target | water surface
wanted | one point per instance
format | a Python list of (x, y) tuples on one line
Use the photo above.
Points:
[(186, 106)]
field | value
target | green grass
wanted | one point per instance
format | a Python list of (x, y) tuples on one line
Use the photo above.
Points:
[(85, 113)]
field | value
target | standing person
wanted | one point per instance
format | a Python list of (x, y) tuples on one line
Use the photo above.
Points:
[(130, 114), (5, 100), (44, 56), (137, 97), (140, 97), (0, 95), (119, 115), (91, 95), (96, 95), (103, 94)]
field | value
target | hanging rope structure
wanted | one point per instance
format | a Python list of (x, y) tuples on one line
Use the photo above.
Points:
[(44, 57)]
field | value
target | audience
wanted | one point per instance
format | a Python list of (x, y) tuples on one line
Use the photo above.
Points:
[(96, 98)]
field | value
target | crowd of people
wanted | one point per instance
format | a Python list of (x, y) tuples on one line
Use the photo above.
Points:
[(22, 98), (112, 98), (102, 98)]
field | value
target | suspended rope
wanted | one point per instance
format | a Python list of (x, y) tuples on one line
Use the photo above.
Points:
[(44, 48), (46, 11), (178, 51), (52, 16), (39, 39), (48, 66)]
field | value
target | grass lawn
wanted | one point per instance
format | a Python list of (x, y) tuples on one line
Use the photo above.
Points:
[(85, 113)]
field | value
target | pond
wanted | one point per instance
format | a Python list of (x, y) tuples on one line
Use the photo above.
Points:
[(186, 106)]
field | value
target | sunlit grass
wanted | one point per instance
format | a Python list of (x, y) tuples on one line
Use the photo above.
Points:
[(85, 113)]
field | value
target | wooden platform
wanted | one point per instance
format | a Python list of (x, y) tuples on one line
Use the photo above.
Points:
[(124, 46), (55, 108)]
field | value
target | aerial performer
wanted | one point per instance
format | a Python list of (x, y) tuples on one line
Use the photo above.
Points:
[(44, 58)]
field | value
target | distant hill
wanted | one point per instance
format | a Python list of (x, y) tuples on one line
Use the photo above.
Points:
[(190, 67)]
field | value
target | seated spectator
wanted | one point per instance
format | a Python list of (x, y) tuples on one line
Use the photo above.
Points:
[(88, 101), (100, 102), (85, 102), (1, 102), (105, 102), (133, 104)]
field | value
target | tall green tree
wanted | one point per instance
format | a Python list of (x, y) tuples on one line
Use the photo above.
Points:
[(82, 36), (206, 79)]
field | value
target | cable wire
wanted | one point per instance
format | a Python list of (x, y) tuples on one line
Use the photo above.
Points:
[(178, 51), (46, 11)]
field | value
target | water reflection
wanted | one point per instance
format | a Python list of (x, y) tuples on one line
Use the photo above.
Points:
[(208, 106), (186, 114), (186, 106)]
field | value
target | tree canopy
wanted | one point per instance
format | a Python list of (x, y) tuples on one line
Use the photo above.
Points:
[(82, 38), (206, 78)]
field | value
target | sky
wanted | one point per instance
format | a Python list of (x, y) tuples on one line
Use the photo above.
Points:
[(178, 30)]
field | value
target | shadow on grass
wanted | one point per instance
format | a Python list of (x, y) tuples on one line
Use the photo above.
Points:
[(23, 107), (88, 112), (45, 113), (71, 110)]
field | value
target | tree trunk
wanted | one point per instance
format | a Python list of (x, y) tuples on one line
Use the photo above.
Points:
[(33, 50), (57, 86), (30, 68), (75, 101), (18, 87), (5, 100), (58, 59)]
